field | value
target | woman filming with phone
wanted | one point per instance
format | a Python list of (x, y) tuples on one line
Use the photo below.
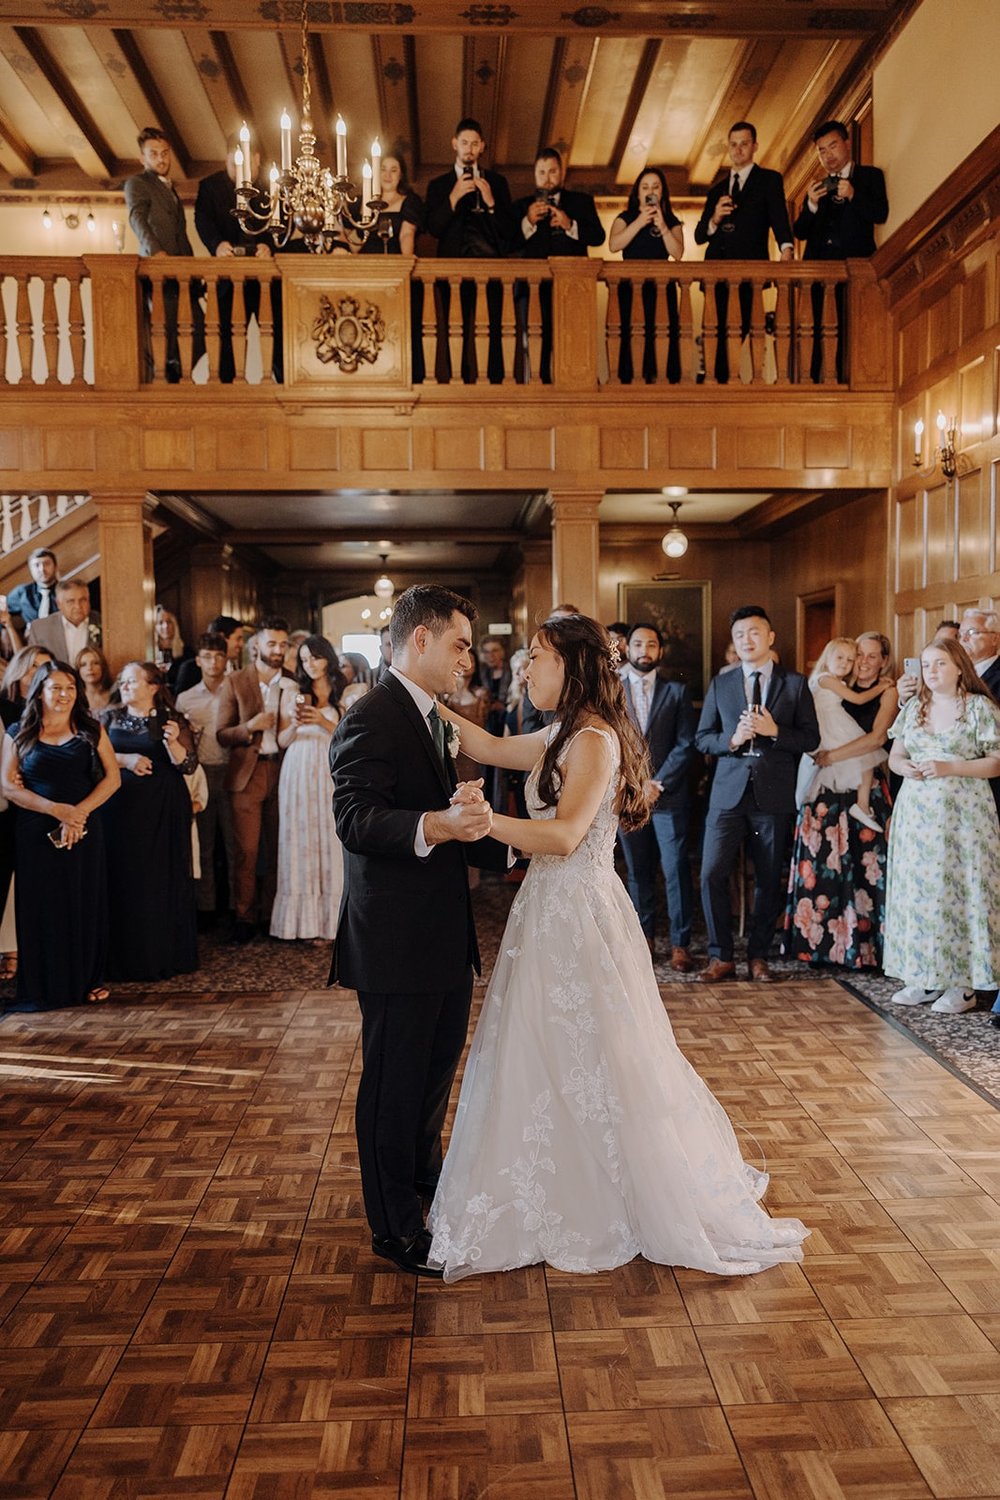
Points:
[(58, 767)]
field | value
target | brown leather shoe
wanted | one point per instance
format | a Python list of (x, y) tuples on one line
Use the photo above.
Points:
[(680, 961), (760, 973), (717, 971)]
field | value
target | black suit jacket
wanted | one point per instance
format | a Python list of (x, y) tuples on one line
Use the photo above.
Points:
[(839, 229), (156, 215), (762, 207), (580, 208), (790, 704), (669, 733), (457, 230), (406, 924), (213, 214), (24, 600)]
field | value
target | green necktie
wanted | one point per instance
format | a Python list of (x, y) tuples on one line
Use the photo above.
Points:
[(437, 731)]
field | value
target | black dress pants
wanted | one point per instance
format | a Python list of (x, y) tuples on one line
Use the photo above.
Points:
[(769, 835), (410, 1046)]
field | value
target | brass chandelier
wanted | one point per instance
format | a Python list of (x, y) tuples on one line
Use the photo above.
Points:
[(306, 196)]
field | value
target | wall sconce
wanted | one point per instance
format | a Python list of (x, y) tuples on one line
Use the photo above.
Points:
[(71, 220), (945, 456)]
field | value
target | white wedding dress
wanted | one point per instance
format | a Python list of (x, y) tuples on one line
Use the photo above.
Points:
[(583, 1137)]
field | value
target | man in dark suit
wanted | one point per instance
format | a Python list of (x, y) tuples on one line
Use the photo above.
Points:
[(405, 875), (29, 601), (552, 220), (757, 721), (837, 220), (664, 715), (468, 213), (740, 210), (221, 234), (156, 215)]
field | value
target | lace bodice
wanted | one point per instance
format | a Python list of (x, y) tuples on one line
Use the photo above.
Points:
[(595, 852)]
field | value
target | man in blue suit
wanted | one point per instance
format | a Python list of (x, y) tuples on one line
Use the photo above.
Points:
[(665, 717), (757, 721)]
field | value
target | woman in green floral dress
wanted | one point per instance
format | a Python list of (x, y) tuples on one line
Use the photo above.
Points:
[(942, 921)]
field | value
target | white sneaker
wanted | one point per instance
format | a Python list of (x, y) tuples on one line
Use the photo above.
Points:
[(857, 811), (913, 996), (954, 1002)]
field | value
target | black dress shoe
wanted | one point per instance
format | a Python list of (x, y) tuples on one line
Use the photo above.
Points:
[(243, 933), (994, 1020), (409, 1254)]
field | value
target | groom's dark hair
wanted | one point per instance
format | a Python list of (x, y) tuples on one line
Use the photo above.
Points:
[(426, 604)]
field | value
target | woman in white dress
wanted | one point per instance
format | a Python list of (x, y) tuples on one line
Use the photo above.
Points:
[(310, 859), (583, 1137)]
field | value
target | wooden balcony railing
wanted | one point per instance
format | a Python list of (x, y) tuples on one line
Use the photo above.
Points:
[(120, 324)]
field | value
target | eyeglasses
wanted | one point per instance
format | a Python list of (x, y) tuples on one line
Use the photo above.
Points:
[(967, 635)]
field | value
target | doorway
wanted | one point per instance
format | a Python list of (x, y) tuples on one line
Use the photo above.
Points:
[(817, 620)]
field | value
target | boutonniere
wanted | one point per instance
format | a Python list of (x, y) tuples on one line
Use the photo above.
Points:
[(93, 633), (451, 738)]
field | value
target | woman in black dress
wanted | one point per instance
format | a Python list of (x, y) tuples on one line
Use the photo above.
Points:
[(397, 234), (58, 767), (171, 652), (150, 884), (836, 888), (17, 678), (648, 229)]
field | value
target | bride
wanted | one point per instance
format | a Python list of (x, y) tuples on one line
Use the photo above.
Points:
[(583, 1137)]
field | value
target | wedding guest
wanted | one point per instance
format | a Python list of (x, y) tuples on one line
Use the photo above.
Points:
[(472, 701), (37, 598), (148, 828), (648, 229), (385, 653), (58, 768), (829, 684), (758, 722), (200, 706), (357, 675), (17, 678), (400, 219), (247, 726), (234, 633), (310, 859), (95, 674), (171, 652), (514, 723), (942, 920), (292, 664), (73, 625), (836, 890)]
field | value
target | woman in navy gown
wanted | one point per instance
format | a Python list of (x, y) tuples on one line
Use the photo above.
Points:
[(150, 883), (648, 229), (58, 767)]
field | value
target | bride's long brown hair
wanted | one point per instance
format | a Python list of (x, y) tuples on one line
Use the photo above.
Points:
[(593, 689)]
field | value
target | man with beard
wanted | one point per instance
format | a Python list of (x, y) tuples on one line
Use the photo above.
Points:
[(247, 726), (665, 717)]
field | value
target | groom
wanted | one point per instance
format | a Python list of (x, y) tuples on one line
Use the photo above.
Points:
[(406, 940)]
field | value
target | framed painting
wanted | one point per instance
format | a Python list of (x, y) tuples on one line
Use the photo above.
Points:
[(682, 613)]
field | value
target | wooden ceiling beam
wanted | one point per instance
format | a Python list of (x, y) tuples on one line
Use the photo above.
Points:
[(15, 154), (25, 50), (735, 102), (234, 80), (396, 76), (213, 78), (154, 100), (572, 60), (321, 85), (483, 57), (637, 93), (285, 536)]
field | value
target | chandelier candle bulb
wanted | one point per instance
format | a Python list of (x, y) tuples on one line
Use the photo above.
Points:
[(238, 160), (376, 168), (242, 157), (286, 141), (273, 179), (918, 442), (366, 185), (341, 147)]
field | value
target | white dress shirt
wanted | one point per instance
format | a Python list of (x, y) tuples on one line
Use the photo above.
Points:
[(643, 686)]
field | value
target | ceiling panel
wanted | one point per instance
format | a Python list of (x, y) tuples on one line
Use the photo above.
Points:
[(364, 508), (169, 60), (701, 67), (606, 96), (76, 55), (439, 95)]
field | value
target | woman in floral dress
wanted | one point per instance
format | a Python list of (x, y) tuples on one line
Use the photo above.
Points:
[(942, 923), (836, 889)]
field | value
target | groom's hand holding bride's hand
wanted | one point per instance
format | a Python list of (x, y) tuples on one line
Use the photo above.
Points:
[(468, 818)]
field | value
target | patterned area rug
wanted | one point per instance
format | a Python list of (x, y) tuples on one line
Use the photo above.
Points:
[(966, 1045)]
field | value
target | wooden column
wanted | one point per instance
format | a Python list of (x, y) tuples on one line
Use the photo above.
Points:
[(575, 547), (208, 586), (535, 590), (125, 540), (115, 295), (574, 322)]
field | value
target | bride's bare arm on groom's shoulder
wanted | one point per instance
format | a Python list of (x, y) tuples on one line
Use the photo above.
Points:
[(586, 771), (516, 752)]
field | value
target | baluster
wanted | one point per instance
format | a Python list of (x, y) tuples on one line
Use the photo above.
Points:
[(7, 526), (22, 318), (50, 329), (455, 327), (686, 351), (3, 333), (239, 333), (44, 513), (212, 328), (25, 517), (158, 331), (508, 326), (613, 326), (481, 324), (266, 328), (76, 329), (62, 505), (185, 324), (829, 333), (535, 330)]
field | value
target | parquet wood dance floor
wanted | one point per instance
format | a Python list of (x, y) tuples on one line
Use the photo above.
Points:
[(190, 1306)]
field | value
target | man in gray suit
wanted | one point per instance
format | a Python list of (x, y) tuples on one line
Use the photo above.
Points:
[(72, 627), (156, 215)]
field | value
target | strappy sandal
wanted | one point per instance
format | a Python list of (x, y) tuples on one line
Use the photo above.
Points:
[(97, 995), (8, 966)]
